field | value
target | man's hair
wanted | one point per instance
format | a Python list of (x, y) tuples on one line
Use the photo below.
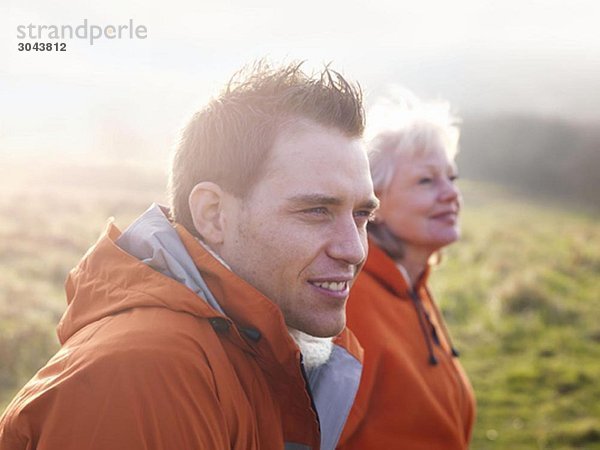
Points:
[(229, 141)]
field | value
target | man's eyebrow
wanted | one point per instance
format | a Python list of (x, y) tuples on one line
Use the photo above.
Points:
[(327, 200), (314, 199), (372, 203)]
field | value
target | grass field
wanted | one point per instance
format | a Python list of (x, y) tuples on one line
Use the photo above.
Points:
[(521, 293)]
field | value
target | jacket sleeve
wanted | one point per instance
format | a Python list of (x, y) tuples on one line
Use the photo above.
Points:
[(139, 396)]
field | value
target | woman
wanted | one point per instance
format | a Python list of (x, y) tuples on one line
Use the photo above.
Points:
[(414, 393)]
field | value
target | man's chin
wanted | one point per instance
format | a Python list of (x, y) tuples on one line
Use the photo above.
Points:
[(324, 331)]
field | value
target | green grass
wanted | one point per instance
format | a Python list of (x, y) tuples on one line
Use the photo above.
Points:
[(50, 215), (520, 293)]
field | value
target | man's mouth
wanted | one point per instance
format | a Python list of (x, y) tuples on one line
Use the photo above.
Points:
[(334, 286)]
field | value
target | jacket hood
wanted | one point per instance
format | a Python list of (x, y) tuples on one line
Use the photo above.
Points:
[(153, 241), (156, 263), (109, 280)]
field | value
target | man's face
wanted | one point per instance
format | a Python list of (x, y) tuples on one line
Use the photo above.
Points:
[(300, 237)]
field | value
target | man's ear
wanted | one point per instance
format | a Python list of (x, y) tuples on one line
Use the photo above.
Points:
[(206, 207)]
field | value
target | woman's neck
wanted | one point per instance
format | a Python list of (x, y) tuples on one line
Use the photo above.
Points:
[(414, 262)]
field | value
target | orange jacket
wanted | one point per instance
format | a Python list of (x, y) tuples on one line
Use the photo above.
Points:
[(404, 401), (146, 363)]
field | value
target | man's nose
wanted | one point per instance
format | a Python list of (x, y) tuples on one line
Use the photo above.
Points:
[(348, 242)]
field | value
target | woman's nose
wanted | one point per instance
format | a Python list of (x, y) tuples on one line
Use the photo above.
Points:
[(450, 191)]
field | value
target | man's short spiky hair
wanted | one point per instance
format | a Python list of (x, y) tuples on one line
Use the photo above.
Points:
[(229, 141)]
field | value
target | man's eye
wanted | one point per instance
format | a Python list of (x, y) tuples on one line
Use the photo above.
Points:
[(366, 213), (453, 178), (316, 211), (425, 180), (364, 216)]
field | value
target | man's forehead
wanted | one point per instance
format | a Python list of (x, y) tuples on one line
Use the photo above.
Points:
[(319, 162), (296, 135), (295, 126), (311, 163)]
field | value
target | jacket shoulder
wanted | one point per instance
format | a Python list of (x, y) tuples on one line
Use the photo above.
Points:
[(139, 380)]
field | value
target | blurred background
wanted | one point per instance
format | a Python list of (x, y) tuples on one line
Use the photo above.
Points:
[(86, 134)]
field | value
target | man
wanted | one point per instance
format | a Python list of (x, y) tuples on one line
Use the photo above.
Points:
[(213, 330)]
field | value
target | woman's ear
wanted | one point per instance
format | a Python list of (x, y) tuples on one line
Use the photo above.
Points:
[(206, 208)]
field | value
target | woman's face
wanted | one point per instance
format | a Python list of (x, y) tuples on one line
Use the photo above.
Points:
[(422, 202)]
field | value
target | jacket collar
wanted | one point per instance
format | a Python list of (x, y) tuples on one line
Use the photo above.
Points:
[(157, 263), (243, 304), (383, 268)]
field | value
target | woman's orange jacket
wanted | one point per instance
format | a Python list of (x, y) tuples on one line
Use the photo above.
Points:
[(404, 401)]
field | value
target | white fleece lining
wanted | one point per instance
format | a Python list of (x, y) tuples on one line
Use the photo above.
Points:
[(315, 350)]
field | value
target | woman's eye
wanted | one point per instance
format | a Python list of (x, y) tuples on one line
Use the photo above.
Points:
[(453, 178), (425, 180)]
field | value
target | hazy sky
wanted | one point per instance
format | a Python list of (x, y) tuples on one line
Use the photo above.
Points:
[(121, 97)]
